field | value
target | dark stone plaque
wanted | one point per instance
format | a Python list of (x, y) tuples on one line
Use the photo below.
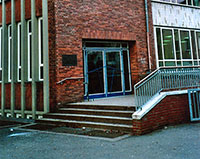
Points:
[(69, 60)]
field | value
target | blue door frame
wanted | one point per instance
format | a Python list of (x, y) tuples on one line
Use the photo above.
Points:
[(106, 93)]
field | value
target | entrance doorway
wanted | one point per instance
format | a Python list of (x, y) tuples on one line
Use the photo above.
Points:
[(106, 69)]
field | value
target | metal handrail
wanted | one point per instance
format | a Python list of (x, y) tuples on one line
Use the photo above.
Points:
[(68, 78), (165, 78)]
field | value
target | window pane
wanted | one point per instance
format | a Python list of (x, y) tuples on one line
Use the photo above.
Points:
[(168, 44), (126, 70), (193, 45), (196, 2), (19, 45), (0, 47), (181, 1), (160, 57), (160, 64), (170, 63), (185, 45), (187, 63), (0, 75), (195, 63), (189, 2), (19, 74), (41, 72), (30, 62), (29, 26), (176, 36), (41, 36), (198, 42), (179, 63)]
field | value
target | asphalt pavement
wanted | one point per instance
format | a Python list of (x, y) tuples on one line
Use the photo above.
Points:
[(175, 142)]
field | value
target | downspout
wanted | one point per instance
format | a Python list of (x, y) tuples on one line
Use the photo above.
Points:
[(148, 39)]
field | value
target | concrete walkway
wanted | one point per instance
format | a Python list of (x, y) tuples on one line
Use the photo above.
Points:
[(127, 100), (179, 142)]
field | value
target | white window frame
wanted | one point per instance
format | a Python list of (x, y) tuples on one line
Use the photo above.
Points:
[(40, 41), (18, 51), (192, 60), (9, 52), (29, 50)]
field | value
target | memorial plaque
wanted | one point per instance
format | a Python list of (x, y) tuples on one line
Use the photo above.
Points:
[(69, 60)]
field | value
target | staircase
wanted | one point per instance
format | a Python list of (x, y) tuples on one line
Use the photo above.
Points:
[(92, 116)]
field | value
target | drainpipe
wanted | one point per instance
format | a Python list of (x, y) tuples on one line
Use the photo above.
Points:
[(148, 40)]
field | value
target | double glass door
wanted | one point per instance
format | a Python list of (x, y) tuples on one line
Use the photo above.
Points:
[(106, 72)]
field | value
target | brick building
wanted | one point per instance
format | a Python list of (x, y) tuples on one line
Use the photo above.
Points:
[(62, 51)]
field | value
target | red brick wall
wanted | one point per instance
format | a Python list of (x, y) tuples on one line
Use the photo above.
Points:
[(72, 21), (170, 111), (52, 54), (103, 20)]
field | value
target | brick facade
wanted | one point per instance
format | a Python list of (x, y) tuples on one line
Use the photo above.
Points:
[(71, 22), (80, 20), (170, 111)]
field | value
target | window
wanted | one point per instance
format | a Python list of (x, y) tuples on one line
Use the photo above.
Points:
[(19, 52), (198, 43), (9, 52), (0, 54), (41, 63), (185, 44), (29, 30), (184, 2), (28, 54), (168, 44), (177, 47)]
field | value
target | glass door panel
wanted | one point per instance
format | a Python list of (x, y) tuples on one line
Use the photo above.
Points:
[(126, 70), (113, 71), (95, 72)]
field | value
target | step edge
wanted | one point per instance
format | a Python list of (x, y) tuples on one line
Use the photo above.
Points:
[(90, 116), (95, 110), (86, 122)]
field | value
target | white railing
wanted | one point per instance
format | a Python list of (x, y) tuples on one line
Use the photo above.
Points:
[(165, 78)]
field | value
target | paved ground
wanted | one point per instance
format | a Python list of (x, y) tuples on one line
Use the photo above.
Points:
[(179, 142)]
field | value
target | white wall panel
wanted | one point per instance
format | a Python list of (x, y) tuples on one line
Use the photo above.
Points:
[(175, 15)]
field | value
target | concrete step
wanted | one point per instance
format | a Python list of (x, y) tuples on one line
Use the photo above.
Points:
[(100, 107), (92, 118), (117, 113), (80, 124)]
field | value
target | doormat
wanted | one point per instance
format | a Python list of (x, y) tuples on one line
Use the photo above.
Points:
[(77, 131)]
